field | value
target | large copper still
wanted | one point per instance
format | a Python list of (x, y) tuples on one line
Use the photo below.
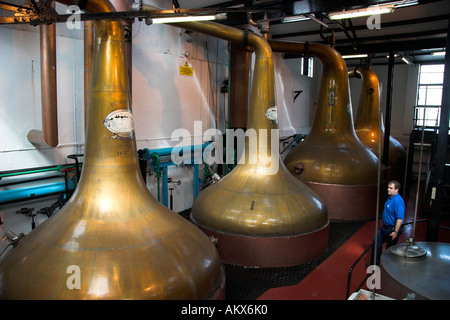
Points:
[(331, 160), (112, 240), (261, 216), (369, 120)]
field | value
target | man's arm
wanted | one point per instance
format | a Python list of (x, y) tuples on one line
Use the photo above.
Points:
[(398, 225)]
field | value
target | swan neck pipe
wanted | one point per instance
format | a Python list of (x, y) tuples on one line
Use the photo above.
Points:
[(263, 89)]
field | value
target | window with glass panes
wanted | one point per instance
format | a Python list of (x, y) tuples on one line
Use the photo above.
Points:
[(429, 96), (306, 66)]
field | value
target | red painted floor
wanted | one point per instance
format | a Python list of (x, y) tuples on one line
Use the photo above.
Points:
[(329, 280)]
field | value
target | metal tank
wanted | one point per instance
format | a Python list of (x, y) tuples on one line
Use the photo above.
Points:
[(112, 240), (369, 119), (416, 272), (260, 214), (332, 161)]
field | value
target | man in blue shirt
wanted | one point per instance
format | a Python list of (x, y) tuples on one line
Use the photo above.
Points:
[(393, 217)]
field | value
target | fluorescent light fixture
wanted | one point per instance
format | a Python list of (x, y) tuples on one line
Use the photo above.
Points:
[(355, 56), (294, 18), (406, 60), (373, 10), (438, 53), (186, 19)]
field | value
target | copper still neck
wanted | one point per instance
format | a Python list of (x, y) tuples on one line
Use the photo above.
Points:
[(331, 153), (368, 121), (333, 113)]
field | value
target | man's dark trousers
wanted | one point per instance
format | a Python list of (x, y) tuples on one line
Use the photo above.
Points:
[(382, 237)]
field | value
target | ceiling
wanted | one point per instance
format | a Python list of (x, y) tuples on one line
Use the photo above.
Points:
[(413, 30), (410, 31)]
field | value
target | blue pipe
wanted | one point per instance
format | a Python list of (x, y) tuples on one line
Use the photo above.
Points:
[(147, 155), (33, 191), (161, 152), (196, 180), (168, 151), (165, 189)]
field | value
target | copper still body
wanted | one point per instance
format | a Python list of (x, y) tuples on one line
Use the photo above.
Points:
[(112, 239), (369, 124), (260, 214), (332, 160)]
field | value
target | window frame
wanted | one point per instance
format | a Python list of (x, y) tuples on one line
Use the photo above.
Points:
[(427, 116)]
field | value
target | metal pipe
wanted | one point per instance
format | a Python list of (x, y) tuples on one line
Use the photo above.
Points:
[(48, 83), (389, 96), (147, 154), (196, 180), (127, 25), (261, 98), (49, 133), (88, 49), (239, 85), (28, 193)]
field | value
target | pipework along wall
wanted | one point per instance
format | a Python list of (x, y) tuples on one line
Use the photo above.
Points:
[(20, 97)]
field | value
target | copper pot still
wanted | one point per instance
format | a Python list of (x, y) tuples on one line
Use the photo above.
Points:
[(369, 120), (112, 240), (259, 216), (332, 161)]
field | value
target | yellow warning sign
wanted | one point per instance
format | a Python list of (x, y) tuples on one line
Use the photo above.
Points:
[(186, 70)]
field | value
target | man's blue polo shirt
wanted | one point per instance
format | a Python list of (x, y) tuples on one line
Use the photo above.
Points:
[(394, 209)]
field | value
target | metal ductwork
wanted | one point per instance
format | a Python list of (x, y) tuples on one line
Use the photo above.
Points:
[(369, 123), (260, 218), (112, 239), (240, 60), (49, 134), (331, 160), (88, 49)]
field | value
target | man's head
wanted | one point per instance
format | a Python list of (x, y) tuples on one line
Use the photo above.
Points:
[(393, 188)]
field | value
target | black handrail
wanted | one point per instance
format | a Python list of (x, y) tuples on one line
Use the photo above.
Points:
[(77, 163), (349, 277)]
